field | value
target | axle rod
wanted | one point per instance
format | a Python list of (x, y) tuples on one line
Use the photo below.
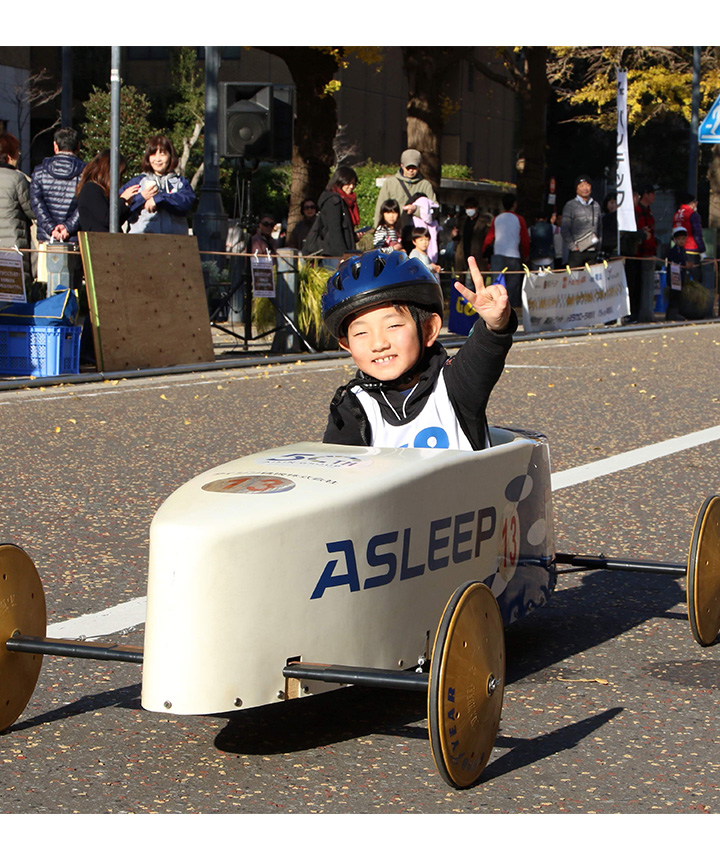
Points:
[(75, 648), (388, 678), (601, 562)]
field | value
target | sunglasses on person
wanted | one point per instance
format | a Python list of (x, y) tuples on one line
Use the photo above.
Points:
[(268, 223)]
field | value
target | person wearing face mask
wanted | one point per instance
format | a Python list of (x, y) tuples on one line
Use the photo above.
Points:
[(165, 198), (469, 235)]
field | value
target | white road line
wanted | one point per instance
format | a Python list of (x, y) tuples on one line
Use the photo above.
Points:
[(619, 462), (125, 616), (115, 619)]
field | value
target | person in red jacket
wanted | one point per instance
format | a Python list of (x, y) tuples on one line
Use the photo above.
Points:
[(646, 222), (639, 272), (688, 219)]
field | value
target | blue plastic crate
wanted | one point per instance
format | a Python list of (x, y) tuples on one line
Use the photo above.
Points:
[(39, 350)]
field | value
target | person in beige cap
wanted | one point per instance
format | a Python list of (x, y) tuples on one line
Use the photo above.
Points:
[(406, 183)]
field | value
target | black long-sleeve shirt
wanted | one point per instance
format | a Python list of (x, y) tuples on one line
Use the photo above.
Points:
[(94, 209), (470, 377)]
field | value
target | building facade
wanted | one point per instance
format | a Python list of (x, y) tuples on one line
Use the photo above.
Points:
[(371, 102)]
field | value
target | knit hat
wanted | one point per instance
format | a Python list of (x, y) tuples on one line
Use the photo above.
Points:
[(583, 178)]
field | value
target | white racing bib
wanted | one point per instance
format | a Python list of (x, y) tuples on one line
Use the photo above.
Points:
[(435, 427)]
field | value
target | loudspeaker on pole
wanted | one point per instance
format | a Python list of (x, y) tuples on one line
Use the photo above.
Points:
[(256, 121)]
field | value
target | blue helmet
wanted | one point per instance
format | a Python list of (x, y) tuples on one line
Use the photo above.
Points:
[(375, 278)]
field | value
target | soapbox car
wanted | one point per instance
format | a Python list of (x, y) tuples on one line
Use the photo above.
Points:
[(294, 570)]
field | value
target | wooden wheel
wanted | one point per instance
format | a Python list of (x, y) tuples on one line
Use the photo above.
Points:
[(22, 611), (467, 680), (703, 573)]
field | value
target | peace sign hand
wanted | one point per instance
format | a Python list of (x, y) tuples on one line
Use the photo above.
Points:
[(491, 303)]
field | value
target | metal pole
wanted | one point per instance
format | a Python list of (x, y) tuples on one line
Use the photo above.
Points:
[(210, 221), (210, 152), (390, 679), (75, 648), (114, 138), (67, 88), (627, 565), (695, 108)]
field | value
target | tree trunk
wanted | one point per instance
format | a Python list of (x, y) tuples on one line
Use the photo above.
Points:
[(315, 123), (424, 108), (534, 91), (188, 143), (427, 73)]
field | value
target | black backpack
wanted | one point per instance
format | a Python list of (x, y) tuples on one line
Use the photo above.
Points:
[(313, 243)]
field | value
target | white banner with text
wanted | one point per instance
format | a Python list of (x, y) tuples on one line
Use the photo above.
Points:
[(579, 297)]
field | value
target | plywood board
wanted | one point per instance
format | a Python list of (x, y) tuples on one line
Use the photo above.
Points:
[(147, 300)]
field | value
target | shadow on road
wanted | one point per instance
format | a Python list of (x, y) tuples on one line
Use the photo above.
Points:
[(603, 605), (124, 697), (335, 716), (526, 752)]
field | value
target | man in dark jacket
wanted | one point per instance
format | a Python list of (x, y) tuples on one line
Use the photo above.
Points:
[(469, 235), (52, 189)]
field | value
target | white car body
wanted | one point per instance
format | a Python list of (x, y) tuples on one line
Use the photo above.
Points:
[(335, 555)]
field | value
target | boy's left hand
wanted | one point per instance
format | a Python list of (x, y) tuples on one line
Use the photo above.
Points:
[(491, 303)]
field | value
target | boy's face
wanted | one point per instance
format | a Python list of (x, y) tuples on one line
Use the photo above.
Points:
[(422, 243), (383, 341), (680, 239)]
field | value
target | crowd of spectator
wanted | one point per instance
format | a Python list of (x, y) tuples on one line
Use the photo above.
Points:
[(65, 195)]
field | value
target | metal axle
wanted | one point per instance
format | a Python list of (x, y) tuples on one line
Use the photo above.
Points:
[(75, 648), (388, 678), (601, 562)]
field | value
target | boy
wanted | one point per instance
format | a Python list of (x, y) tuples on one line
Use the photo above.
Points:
[(386, 310), (420, 237), (678, 256)]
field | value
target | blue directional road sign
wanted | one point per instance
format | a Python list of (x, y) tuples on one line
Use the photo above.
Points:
[(709, 131)]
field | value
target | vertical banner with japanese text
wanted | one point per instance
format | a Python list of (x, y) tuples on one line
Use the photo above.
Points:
[(623, 181)]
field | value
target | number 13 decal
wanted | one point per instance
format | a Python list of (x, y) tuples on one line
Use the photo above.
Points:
[(509, 549)]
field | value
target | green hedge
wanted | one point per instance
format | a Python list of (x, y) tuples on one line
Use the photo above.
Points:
[(270, 186)]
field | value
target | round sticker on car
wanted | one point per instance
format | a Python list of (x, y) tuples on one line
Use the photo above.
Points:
[(250, 484)]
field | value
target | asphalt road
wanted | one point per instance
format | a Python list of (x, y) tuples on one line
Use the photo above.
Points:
[(610, 705)]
